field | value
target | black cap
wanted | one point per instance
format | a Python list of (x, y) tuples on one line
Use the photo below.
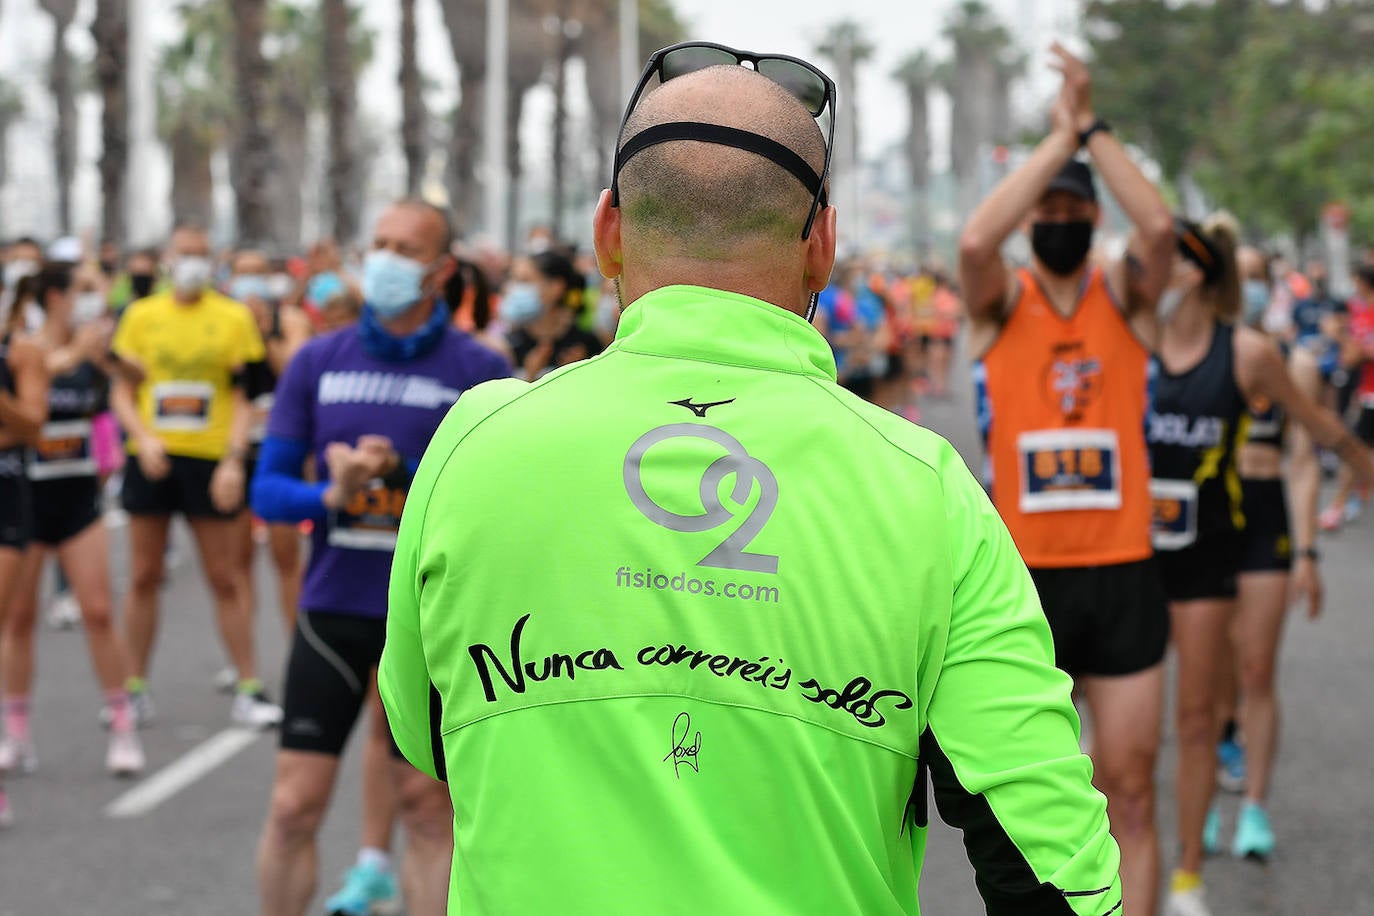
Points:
[(1076, 177)]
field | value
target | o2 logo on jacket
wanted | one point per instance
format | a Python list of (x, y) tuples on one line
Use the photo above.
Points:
[(737, 462)]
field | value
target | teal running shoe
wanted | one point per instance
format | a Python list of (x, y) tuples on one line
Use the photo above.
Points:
[(1254, 836), (1211, 831), (1231, 766), (367, 891)]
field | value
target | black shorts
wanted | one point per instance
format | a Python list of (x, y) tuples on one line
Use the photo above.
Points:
[(1267, 545), (1107, 621), (16, 513), (186, 489), (1364, 426), (896, 367), (1207, 569), (63, 508), (327, 677)]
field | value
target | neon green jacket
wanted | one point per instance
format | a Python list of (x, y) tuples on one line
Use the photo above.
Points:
[(686, 625)]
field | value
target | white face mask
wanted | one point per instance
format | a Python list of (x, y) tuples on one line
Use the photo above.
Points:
[(19, 269), (1169, 301), (88, 306), (191, 274)]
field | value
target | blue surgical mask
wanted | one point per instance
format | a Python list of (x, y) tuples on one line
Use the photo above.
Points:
[(323, 287), (392, 284), (250, 286), (521, 304), (1256, 296)]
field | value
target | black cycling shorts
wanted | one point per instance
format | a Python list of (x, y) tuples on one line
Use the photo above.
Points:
[(1207, 569), (64, 508), (186, 489), (1107, 621), (1267, 543), (327, 676), (1364, 426), (16, 514)]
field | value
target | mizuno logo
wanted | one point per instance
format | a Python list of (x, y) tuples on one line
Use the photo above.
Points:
[(699, 409)]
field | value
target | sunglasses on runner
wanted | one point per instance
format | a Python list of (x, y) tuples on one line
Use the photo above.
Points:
[(803, 81)]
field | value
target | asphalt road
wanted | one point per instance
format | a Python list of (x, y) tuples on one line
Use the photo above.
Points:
[(192, 854)]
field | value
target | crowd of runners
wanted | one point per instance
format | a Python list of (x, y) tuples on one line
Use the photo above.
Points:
[(1158, 426)]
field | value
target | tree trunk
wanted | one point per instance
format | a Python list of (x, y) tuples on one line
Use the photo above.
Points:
[(193, 184), (64, 134), (465, 22), (560, 127), (342, 108), (110, 29), (517, 172), (255, 159), (412, 103), (918, 155), (291, 129)]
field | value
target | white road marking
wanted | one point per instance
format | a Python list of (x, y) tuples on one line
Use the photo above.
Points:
[(193, 765)]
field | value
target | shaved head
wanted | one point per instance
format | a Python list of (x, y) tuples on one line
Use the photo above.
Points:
[(709, 202)]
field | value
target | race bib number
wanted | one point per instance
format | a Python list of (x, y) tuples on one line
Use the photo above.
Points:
[(370, 521), (64, 450), (182, 406), (1065, 469), (1174, 515)]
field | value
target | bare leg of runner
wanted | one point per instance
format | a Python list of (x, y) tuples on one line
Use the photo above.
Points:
[(285, 542), (428, 818), (1259, 627), (221, 563), (147, 548), (1126, 715), (379, 786), (1200, 634), (288, 855), (86, 561)]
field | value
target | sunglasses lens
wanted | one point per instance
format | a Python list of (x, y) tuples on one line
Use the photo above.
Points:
[(689, 60), (807, 86)]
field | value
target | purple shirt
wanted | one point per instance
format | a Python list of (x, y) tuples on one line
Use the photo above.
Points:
[(333, 391)]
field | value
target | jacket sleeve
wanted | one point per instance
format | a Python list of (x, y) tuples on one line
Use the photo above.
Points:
[(1001, 742), (414, 705)]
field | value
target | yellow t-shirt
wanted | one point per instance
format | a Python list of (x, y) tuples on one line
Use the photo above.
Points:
[(189, 354)]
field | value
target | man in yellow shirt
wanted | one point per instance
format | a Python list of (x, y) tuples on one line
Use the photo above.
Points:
[(187, 422)]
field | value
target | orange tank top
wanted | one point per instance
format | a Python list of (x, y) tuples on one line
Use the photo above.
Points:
[(1062, 404)]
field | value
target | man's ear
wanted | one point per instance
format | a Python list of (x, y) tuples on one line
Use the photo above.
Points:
[(820, 250), (606, 237), (448, 266)]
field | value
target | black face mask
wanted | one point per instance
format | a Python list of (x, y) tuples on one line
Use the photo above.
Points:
[(1062, 247), (141, 284)]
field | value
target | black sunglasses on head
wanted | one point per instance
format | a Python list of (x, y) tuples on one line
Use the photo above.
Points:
[(803, 81)]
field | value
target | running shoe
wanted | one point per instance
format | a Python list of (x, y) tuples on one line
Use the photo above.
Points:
[(226, 679), (1353, 507), (254, 710), (1187, 903), (1231, 766), (1254, 836), (125, 755), (367, 891), (17, 756), (144, 711), (1211, 831), (6, 812), (63, 612), (1331, 518)]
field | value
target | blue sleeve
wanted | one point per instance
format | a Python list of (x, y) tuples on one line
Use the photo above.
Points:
[(278, 493)]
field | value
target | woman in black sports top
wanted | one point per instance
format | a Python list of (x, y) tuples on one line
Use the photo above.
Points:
[(1208, 370)]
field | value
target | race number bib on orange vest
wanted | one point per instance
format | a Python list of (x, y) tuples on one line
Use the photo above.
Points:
[(1063, 469)]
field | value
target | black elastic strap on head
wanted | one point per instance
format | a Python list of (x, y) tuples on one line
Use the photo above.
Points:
[(1194, 245), (750, 142)]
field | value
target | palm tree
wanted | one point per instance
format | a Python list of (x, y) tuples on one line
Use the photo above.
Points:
[(971, 79), (847, 46), (11, 110), (917, 74), (60, 84), (110, 29), (252, 154), (342, 105), (194, 107), (412, 102)]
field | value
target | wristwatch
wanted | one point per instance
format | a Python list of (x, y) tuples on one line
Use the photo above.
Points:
[(1309, 553), (1094, 127)]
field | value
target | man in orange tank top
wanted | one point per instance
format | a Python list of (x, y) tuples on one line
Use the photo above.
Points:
[(1062, 373)]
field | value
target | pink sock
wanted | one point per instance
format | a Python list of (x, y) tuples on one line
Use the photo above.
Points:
[(17, 717), (121, 713)]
